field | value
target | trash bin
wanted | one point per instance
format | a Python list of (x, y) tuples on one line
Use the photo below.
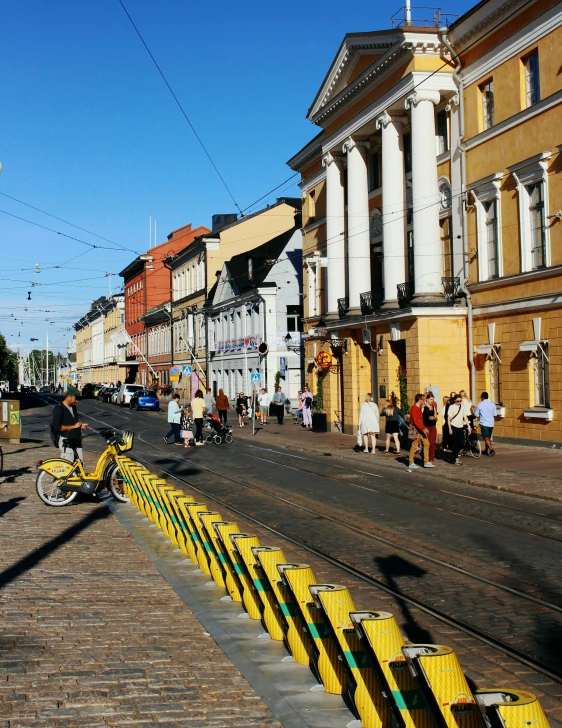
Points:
[(10, 425)]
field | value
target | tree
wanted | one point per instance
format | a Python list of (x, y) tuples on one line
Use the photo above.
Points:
[(8, 362)]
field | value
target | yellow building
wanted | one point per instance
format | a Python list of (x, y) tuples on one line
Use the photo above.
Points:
[(431, 240), (98, 359)]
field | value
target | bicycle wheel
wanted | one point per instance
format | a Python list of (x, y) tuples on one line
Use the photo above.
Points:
[(49, 491), (475, 448), (116, 485)]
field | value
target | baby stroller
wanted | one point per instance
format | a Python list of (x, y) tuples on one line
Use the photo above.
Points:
[(219, 433)]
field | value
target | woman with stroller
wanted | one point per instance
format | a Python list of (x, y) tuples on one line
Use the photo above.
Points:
[(241, 408)]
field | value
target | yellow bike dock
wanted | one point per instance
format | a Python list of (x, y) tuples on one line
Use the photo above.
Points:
[(339, 666)]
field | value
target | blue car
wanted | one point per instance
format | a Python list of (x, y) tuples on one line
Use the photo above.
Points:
[(144, 399)]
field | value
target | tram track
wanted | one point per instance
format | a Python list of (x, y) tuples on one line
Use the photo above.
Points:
[(461, 624)]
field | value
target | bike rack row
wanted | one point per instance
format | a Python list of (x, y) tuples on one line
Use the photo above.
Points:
[(360, 655)]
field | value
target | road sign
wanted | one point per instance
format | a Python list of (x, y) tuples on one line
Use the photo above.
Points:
[(187, 370), (86, 371), (255, 378), (174, 377), (174, 371)]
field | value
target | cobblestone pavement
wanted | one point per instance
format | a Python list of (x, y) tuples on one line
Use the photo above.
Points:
[(91, 635)]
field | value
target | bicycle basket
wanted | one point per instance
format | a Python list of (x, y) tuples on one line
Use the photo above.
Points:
[(126, 442)]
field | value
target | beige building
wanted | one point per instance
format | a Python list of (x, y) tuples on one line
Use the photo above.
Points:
[(98, 358)]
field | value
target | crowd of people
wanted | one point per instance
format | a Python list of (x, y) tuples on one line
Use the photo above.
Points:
[(420, 425)]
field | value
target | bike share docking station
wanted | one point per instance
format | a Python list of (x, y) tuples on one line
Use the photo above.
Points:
[(361, 656)]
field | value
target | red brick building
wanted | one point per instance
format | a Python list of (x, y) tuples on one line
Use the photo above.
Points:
[(146, 285)]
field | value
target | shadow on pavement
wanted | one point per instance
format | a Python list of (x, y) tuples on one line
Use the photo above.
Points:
[(393, 568), (176, 467), (7, 506), (11, 475), (37, 555)]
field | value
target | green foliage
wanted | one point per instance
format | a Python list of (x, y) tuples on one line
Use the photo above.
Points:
[(8, 361), (402, 376), (277, 380), (319, 407)]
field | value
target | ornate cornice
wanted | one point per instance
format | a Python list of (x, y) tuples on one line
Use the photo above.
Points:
[(481, 25)]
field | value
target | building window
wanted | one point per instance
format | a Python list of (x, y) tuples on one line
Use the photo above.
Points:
[(539, 363), (536, 216), (294, 315), (447, 246), (312, 204), (491, 211), (407, 140), (494, 387), (532, 79), (487, 98), (374, 172), (442, 132)]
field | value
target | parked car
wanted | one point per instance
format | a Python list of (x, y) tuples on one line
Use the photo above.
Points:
[(144, 399), (46, 388), (96, 389), (115, 395), (106, 394), (88, 390), (125, 393)]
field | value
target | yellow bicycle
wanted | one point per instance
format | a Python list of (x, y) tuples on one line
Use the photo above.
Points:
[(59, 481)]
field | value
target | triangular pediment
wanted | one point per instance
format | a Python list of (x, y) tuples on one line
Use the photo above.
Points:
[(357, 53), (226, 288)]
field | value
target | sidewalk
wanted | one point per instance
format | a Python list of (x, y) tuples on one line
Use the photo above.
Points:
[(516, 469)]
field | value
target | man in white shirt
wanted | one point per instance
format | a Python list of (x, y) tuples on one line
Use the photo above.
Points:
[(486, 411), (263, 399), (174, 420)]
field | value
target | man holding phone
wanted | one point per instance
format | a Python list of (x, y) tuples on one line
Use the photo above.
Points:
[(66, 427)]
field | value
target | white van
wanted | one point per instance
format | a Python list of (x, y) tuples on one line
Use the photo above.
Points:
[(124, 396)]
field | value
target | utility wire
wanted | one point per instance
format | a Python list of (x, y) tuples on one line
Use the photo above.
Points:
[(180, 107)]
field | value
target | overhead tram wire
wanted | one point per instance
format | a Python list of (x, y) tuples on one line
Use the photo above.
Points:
[(181, 108), (66, 222)]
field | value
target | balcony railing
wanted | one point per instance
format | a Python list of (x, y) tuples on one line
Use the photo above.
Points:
[(343, 306), (405, 293), (371, 301), (451, 288)]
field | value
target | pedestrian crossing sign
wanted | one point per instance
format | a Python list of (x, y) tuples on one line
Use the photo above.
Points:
[(255, 378)]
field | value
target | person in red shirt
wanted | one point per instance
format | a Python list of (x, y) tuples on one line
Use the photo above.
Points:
[(416, 420)]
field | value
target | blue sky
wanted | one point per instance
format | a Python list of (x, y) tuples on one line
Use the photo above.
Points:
[(90, 133)]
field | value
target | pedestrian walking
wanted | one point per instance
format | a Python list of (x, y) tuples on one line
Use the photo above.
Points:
[(209, 400), (197, 411), (279, 399), (307, 408), (174, 420), (430, 417), (369, 423), (223, 405), (418, 434), (391, 413), (457, 422), (263, 399), (66, 429), (241, 408), (468, 408), (298, 411), (486, 412)]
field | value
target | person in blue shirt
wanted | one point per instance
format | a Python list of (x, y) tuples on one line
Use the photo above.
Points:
[(279, 399), (486, 411)]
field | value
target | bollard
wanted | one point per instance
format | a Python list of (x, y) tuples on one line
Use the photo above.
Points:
[(510, 708), (191, 510), (233, 585), (123, 463), (207, 518), (182, 526), (134, 471), (382, 641), (325, 662), (443, 685), (241, 544), (152, 485), (335, 603), (183, 501), (296, 639), (169, 493)]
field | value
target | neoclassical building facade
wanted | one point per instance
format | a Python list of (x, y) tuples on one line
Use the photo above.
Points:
[(407, 190)]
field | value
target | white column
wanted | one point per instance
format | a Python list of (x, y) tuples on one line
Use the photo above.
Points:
[(358, 242), (335, 243), (428, 263), (393, 203)]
